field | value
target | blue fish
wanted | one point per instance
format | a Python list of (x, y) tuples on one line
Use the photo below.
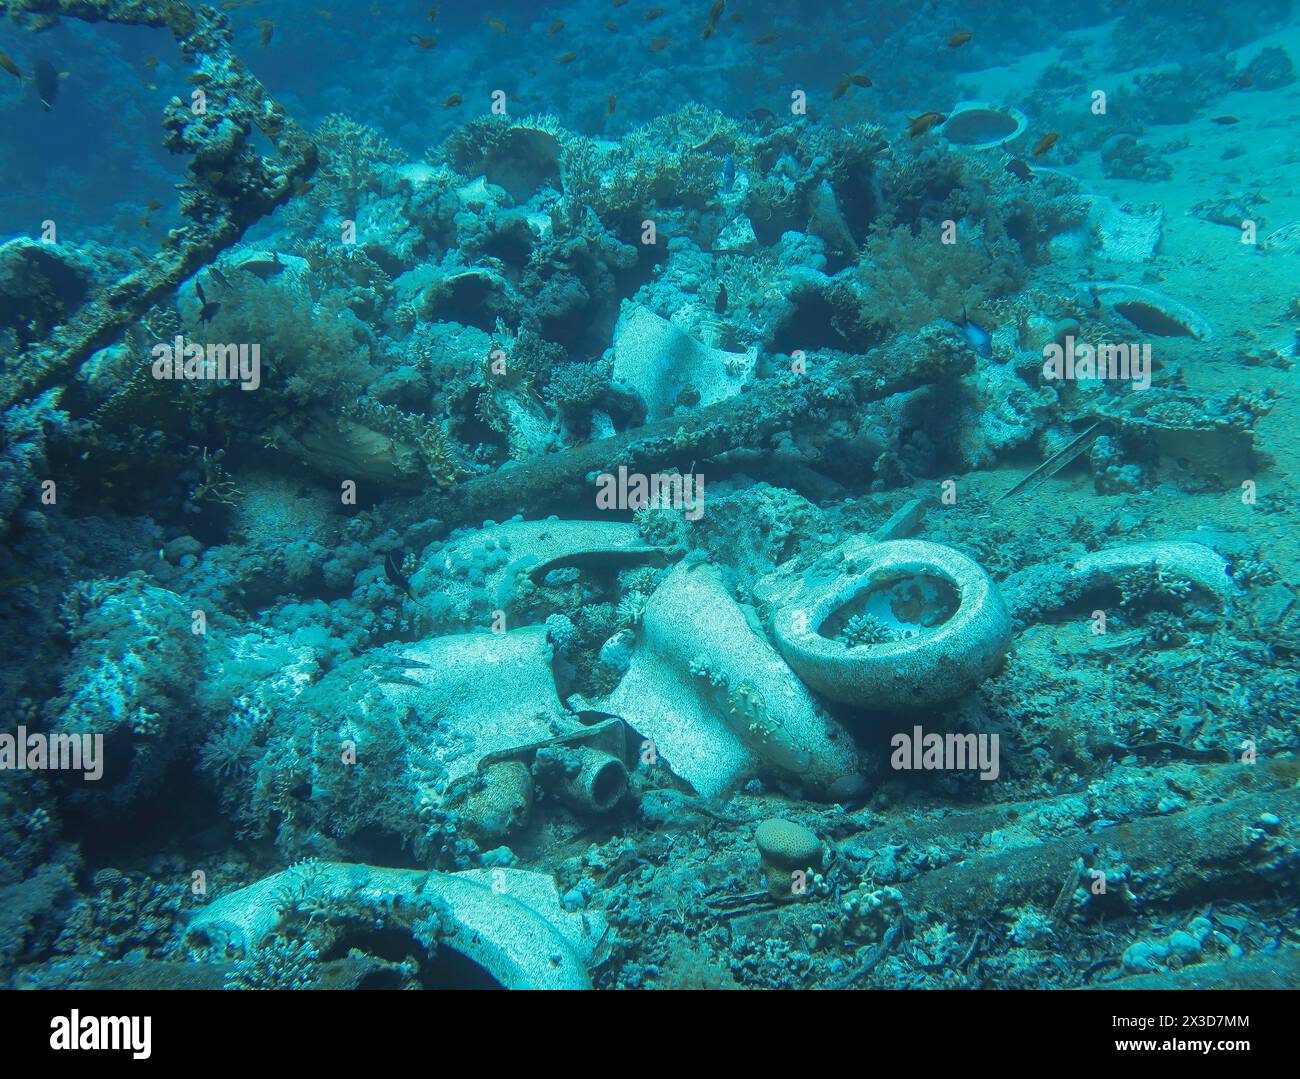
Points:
[(728, 173), (978, 337)]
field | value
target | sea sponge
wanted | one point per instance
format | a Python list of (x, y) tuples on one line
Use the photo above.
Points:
[(787, 849), (498, 803)]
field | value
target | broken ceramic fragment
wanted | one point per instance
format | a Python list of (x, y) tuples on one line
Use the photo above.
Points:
[(719, 704)]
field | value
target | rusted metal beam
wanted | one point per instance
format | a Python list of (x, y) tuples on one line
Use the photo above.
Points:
[(231, 186)]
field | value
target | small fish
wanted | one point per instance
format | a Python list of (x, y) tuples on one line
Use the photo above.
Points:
[(422, 41), (268, 31), (659, 44), (771, 37), (978, 337), (655, 13), (728, 174), (619, 3), (611, 105), (1242, 81), (432, 14), (1045, 143), (715, 13), (219, 277), (567, 58), (6, 62), (760, 114), (612, 27), (206, 309), (959, 39), (14, 582), (1225, 121), (1020, 170), (497, 26), (451, 101), (919, 125), (555, 28), (261, 270), (151, 62), (849, 80), (393, 571), (325, 13), (153, 205), (720, 303), (145, 223), (47, 82)]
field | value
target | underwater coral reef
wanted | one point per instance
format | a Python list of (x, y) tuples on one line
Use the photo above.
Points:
[(607, 496)]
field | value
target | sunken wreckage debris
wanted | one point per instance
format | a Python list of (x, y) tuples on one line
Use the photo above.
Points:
[(1242, 833), (1221, 845), (231, 186), (752, 419)]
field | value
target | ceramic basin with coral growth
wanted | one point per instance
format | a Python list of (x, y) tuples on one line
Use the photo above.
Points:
[(980, 125), (901, 624), (1152, 312)]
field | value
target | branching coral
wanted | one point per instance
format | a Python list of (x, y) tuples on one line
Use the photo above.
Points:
[(282, 963), (351, 157), (676, 160)]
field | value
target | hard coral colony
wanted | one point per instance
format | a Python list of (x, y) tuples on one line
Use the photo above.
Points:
[(823, 523)]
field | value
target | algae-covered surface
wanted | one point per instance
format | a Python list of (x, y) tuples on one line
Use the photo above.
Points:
[(614, 496)]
